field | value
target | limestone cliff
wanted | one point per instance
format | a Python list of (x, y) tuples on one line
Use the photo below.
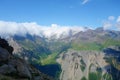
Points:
[(85, 65)]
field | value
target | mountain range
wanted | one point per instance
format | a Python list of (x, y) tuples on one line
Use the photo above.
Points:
[(69, 53)]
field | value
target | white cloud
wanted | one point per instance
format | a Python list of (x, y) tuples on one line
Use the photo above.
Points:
[(118, 19), (107, 25), (118, 26), (112, 23), (111, 18), (57, 30), (85, 1), (118, 23), (12, 28)]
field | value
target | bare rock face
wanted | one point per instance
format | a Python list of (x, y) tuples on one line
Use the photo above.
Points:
[(4, 44), (77, 65)]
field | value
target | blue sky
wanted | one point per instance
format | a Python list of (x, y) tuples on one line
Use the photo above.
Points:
[(62, 12)]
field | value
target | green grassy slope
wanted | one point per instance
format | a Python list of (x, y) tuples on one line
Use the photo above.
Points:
[(94, 46)]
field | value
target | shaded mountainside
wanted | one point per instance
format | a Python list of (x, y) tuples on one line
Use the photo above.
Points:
[(14, 68)]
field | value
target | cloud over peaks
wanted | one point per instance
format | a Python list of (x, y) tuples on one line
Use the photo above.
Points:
[(14, 28)]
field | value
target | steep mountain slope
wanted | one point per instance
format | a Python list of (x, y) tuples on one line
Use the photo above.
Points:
[(39, 52), (14, 68)]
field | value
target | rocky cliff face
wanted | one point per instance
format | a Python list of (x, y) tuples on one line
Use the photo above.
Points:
[(14, 68), (85, 65)]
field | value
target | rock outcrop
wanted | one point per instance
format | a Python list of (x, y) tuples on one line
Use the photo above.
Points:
[(14, 68), (4, 44)]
